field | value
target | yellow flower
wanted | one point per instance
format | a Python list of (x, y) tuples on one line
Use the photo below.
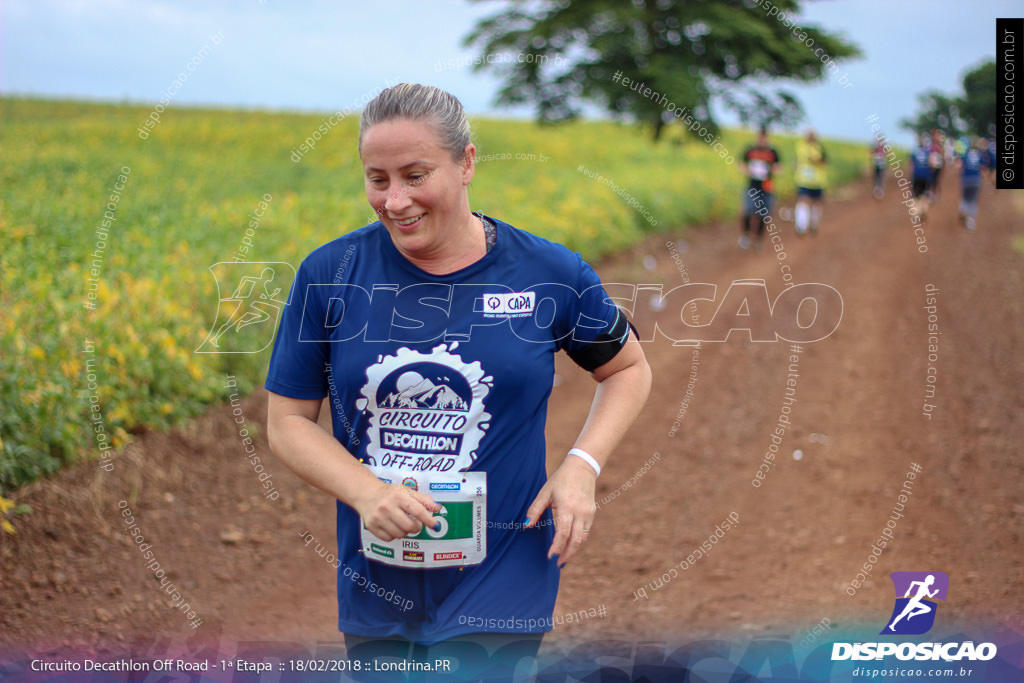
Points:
[(71, 368), (115, 353), (194, 370), (119, 437)]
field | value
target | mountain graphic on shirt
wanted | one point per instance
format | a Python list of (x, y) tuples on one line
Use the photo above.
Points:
[(425, 394)]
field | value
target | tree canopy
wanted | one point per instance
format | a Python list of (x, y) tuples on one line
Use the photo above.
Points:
[(936, 110), (978, 103), (973, 111), (682, 52)]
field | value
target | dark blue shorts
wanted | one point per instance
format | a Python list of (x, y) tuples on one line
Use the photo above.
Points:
[(757, 201)]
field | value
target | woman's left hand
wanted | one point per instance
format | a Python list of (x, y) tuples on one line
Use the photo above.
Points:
[(569, 492), (623, 385)]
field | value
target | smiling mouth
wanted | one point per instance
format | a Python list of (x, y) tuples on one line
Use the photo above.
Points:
[(406, 222)]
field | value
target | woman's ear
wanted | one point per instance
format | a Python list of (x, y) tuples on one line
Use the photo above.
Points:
[(468, 164)]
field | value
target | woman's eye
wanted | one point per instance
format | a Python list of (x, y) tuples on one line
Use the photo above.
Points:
[(377, 182)]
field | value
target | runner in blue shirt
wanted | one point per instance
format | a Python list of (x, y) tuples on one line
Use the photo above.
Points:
[(432, 335), (971, 163), (991, 143), (920, 158)]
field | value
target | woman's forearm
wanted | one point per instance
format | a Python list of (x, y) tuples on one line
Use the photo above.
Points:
[(618, 401), (318, 458), (388, 511)]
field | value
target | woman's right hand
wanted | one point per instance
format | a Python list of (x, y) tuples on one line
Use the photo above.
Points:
[(390, 511), (393, 511)]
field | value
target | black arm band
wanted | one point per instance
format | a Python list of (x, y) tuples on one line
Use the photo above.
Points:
[(605, 345)]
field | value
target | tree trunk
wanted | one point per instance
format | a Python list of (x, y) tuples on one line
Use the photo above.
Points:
[(659, 125)]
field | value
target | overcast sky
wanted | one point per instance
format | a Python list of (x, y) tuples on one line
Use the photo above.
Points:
[(324, 56)]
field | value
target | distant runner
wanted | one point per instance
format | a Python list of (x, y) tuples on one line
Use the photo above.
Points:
[(878, 157), (760, 161), (936, 160), (922, 174), (971, 163), (810, 181)]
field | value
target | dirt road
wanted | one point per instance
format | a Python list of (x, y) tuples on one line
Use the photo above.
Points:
[(856, 411)]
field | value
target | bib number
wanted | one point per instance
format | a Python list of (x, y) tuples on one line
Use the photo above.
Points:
[(462, 537), (758, 169)]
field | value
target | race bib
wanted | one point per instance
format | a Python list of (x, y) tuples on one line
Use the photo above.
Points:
[(462, 538), (759, 169)]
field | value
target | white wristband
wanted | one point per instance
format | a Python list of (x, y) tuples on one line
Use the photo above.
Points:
[(588, 458)]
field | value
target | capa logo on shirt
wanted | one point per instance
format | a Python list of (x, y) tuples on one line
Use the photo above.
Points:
[(508, 304), (427, 410)]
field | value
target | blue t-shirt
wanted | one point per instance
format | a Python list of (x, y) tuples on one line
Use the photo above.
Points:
[(920, 159), (469, 357), (971, 162)]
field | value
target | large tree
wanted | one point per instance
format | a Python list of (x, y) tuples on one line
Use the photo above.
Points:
[(564, 53), (972, 111), (978, 103), (936, 110)]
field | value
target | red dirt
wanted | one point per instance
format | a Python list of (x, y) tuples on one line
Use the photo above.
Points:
[(72, 578)]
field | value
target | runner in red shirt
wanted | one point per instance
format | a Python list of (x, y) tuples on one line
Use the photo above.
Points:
[(760, 162)]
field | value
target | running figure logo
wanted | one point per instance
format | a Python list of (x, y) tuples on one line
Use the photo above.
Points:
[(914, 613), (258, 295)]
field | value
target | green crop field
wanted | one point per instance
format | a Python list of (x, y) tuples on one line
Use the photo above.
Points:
[(108, 237)]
